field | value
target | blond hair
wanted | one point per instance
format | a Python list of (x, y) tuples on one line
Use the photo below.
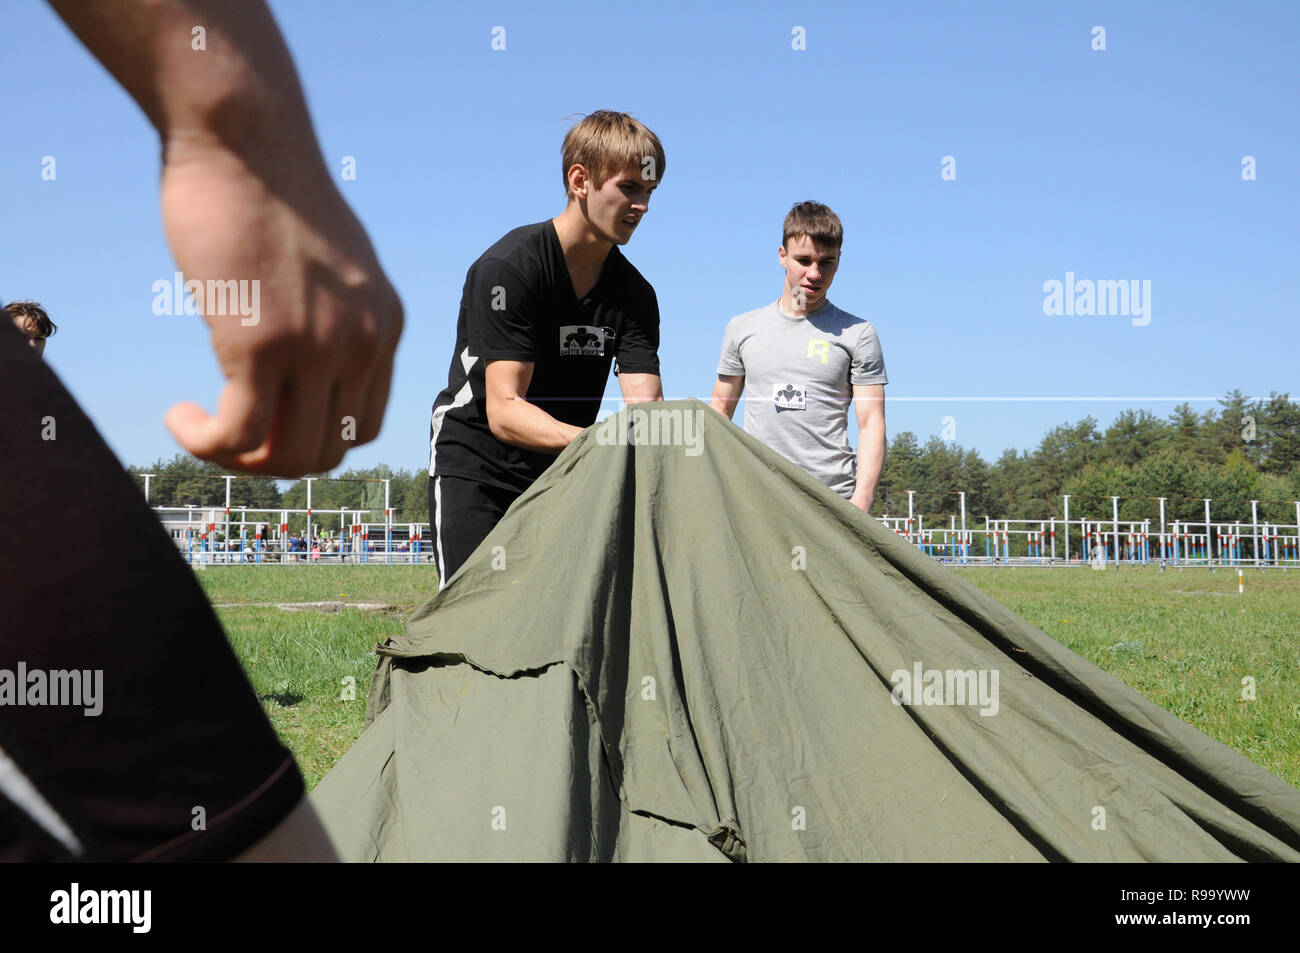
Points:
[(609, 143)]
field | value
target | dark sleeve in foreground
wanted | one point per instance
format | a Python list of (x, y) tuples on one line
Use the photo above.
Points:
[(92, 583)]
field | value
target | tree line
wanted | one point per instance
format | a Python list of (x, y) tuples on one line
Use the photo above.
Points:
[(1240, 451), (186, 481)]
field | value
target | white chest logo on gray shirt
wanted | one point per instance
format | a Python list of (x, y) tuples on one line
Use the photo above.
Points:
[(584, 341), (790, 397)]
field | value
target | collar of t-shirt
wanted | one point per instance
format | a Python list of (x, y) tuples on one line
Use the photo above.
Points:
[(824, 309), (558, 248)]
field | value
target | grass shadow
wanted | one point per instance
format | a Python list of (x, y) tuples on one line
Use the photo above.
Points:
[(285, 699)]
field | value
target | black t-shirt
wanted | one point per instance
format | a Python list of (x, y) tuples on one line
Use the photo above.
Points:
[(518, 304)]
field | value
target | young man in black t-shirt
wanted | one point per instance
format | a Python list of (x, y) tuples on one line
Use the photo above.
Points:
[(543, 314)]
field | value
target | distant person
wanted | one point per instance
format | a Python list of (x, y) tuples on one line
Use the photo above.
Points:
[(30, 318), (544, 313), (806, 361), (181, 762)]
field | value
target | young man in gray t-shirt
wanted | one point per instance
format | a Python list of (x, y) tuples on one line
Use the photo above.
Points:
[(805, 360)]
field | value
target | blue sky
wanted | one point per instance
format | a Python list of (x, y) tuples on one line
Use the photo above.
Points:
[(1117, 164)]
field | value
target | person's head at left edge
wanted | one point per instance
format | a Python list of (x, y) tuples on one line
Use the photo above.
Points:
[(30, 318)]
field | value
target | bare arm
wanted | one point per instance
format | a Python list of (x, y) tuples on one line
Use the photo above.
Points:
[(238, 82), (638, 388), (246, 197), (869, 402), (726, 391), (513, 419)]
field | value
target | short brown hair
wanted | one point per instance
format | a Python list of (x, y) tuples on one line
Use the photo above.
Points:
[(816, 221), (609, 143), (34, 313)]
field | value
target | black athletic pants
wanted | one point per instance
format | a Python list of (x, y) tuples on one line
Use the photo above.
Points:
[(461, 514)]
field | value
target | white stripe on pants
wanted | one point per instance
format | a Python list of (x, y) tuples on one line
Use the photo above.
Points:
[(437, 531)]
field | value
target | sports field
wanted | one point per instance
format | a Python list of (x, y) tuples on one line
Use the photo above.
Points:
[(1186, 640)]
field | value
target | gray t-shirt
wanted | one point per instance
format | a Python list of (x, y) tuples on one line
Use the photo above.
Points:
[(799, 376)]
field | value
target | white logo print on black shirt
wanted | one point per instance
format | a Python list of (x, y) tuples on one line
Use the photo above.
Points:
[(577, 340)]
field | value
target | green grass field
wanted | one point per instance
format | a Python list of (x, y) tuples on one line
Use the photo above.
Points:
[(1186, 640)]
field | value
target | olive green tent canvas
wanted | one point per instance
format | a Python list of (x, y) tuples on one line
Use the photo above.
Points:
[(678, 646)]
